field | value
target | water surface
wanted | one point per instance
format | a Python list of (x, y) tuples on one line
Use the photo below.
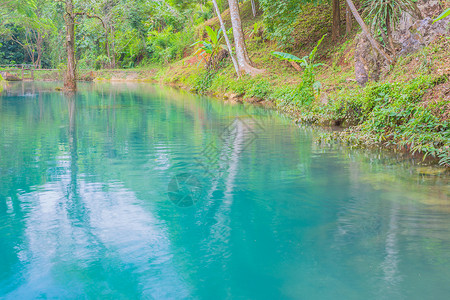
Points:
[(89, 208)]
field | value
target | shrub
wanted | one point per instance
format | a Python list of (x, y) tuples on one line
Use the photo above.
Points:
[(309, 88), (167, 45)]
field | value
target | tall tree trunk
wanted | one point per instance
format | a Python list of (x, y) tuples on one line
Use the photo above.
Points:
[(254, 8), (336, 27), (70, 83), (366, 31), (348, 20), (241, 50), (225, 35), (113, 47), (39, 49), (107, 47)]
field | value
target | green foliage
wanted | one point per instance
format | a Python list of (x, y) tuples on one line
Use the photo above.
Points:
[(309, 87), (385, 15), (444, 14), (131, 32), (102, 62), (288, 57), (257, 31), (10, 51), (87, 61), (382, 12), (61, 66), (167, 45), (260, 89), (210, 48), (24, 26), (204, 81), (279, 17), (24, 8), (391, 114)]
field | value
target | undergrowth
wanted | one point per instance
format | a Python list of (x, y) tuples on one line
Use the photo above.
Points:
[(390, 113)]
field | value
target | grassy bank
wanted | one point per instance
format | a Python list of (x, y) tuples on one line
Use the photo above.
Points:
[(407, 109)]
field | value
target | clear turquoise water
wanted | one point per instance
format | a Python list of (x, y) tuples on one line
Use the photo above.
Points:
[(86, 212)]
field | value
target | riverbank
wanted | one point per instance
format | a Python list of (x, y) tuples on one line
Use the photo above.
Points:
[(407, 110)]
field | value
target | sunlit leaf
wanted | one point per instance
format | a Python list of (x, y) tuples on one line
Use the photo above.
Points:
[(445, 14)]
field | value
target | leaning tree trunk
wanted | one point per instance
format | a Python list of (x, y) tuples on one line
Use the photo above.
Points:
[(241, 50), (336, 27), (366, 31), (70, 83), (225, 35)]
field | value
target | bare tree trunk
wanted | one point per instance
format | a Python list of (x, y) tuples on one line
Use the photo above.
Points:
[(366, 31), (70, 83), (222, 25), (113, 46), (39, 50), (107, 47), (336, 27), (241, 50), (348, 20), (253, 8)]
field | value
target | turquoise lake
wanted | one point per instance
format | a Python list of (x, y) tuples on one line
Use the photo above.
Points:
[(134, 191)]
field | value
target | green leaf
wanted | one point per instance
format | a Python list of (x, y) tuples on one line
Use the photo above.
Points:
[(446, 13), (212, 34), (286, 56), (196, 43), (199, 51)]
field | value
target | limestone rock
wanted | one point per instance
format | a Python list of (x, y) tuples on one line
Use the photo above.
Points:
[(414, 31), (429, 8), (368, 62), (421, 34)]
